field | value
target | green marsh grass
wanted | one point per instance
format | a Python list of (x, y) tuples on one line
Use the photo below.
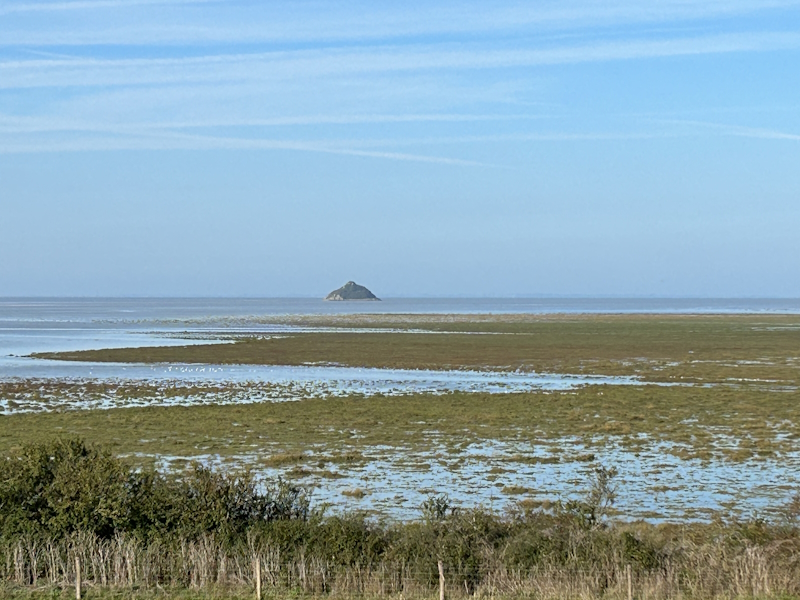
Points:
[(699, 422)]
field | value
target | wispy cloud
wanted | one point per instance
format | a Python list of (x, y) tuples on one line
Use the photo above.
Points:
[(104, 99), (155, 140), (202, 21), (89, 5), (739, 130), (309, 64), (549, 136), (17, 124), (99, 137)]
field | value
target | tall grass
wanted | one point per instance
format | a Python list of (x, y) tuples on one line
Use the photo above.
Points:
[(707, 570)]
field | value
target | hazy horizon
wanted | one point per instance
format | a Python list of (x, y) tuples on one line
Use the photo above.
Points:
[(198, 148), (405, 297)]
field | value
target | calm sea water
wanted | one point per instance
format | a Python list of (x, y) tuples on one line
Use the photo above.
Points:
[(91, 310), (29, 325)]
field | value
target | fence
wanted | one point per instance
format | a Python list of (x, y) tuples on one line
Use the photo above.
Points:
[(85, 561)]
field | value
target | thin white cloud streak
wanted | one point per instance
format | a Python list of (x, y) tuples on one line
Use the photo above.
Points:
[(556, 11), (517, 137), (40, 7), (739, 131), (173, 141), (10, 124), (284, 66), (155, 140), (697, 128), (307, 23), (764, 134), (128, 139)]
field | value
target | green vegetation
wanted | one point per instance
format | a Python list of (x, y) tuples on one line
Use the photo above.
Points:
[(65, 487), (349, 443), (195, 532), (730, 349), (698, 422), (65, 505)]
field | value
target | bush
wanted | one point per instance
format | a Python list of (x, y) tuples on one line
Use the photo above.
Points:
[(66, 486)]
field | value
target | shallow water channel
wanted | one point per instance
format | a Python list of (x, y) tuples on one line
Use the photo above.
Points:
[(240, 383)]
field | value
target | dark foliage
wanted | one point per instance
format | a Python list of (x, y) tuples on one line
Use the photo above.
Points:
[(67, 486)]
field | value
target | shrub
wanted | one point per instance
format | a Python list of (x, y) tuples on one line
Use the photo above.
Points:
[(65, 486)]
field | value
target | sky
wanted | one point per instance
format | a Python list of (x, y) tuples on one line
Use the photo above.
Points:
[(264, 148)]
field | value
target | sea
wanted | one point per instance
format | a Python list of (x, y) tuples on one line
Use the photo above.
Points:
[(32, 325)]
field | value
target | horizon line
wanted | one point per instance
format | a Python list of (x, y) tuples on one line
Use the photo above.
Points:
[(401, 297)]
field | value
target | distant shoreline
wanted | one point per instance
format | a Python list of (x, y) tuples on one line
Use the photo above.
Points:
[(69, 309)]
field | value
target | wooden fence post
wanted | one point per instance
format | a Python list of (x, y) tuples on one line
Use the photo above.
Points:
[(77, 577), (630, 582), (258, 577), (441, 581)]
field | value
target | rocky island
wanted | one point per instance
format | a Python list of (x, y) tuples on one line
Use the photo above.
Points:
[(351, 291)]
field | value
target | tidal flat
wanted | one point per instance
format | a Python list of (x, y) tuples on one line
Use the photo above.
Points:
[(705, 423), (684, 452), (724, 349)]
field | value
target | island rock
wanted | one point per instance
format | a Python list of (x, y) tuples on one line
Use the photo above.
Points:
[(351, 291)]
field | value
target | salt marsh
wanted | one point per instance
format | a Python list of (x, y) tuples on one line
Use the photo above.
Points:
[(655, 484), (120, 385), (699, 413)]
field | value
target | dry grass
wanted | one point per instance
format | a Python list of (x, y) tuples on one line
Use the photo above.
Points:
[(208, 568)]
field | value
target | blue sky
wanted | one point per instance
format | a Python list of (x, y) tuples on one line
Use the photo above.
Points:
[(195, 147)]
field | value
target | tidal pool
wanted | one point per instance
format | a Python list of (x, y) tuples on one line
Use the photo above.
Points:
[(652, 485), (74, 385)]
